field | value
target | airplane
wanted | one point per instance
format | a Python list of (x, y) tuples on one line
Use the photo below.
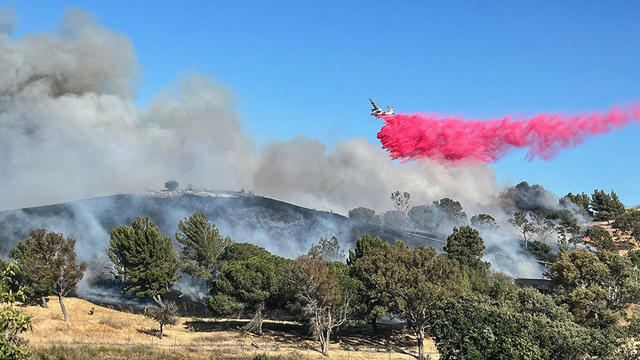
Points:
[(379, 112)]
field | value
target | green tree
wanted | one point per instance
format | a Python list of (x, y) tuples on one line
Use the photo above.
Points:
[(363, 245), (325, 302), (483, 221), (48, 263), (601, 237), (242, 251), (581, 200), (541, 251), (634, 257), (166, 314), (35, 272), (470, 328), (606, 206), (597, 287), (254, 285), (13, 322), (365, 215), (144, 260), (371, 307), (466, 246), (411, 284), (200, 247)]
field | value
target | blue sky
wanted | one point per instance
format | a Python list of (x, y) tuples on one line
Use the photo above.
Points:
[(308, 67)]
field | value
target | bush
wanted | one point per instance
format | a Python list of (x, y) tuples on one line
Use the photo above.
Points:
[(163, 315)]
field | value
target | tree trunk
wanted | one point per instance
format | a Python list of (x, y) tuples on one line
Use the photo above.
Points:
[(161, 329), (374, 325), (158, 300), (258, 318), (44, 302), (64, 310), (325, 344), (420, 338)]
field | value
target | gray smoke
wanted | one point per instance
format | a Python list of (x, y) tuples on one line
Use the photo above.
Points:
[(527, 197), (71, 129)]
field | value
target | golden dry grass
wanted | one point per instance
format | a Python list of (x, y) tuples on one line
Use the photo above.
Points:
[(197, 338)]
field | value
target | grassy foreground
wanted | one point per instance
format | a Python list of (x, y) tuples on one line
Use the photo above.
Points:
[(111, 334)]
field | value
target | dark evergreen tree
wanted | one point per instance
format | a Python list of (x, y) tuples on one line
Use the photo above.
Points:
[(606, 206), (581, 200), (200, 247), (144, 260), (254, 285), (242, 251), (370, 307), (466, 246)]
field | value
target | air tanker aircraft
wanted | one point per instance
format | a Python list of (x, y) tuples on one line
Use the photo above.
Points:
[(379, 112)]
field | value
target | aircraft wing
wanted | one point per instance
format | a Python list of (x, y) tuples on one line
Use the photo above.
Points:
[(372, 104)]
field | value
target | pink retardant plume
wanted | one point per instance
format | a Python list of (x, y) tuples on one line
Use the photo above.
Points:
[(453, 139)]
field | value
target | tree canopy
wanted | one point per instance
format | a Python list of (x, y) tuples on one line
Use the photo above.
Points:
[(597, 287), (253, 285), (49, 265), (465, 246), (581, 200), (483, 221), (365, 215), (144, 260), (606, 206), (200, 247), (326, 302), (410, 283), (242, 251)]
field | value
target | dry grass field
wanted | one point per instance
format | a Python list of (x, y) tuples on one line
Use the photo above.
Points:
[(112, 334)]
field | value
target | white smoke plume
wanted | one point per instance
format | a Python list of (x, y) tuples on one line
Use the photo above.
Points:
[(71, 129)]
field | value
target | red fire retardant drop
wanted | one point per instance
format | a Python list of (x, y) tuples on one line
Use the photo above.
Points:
[(410, 137)]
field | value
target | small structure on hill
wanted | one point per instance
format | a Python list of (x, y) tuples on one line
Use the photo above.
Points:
[(545, 286)]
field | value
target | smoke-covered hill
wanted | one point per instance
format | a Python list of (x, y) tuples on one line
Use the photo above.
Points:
[(282, 228)]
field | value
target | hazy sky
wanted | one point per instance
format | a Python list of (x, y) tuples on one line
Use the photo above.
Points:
[(305, 67)]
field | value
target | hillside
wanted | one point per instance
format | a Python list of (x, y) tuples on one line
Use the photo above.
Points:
[(624, 241), (282, 228), (194, 338)]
